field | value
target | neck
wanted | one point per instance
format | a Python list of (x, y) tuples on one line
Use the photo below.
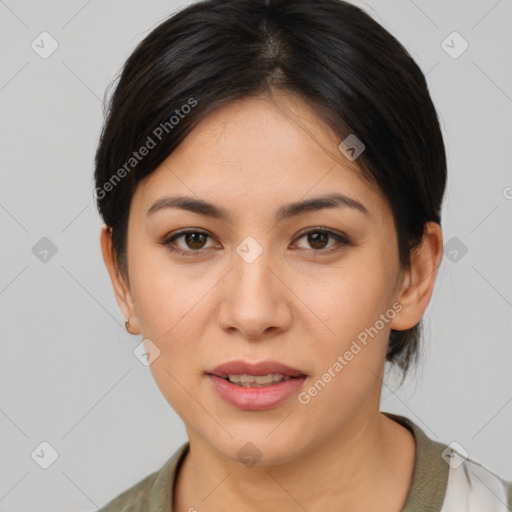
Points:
[(366, 466)]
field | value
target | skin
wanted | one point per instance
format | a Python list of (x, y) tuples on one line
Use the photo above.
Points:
[(292, 304)]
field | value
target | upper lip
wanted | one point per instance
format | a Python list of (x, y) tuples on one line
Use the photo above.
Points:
[(261, 368)]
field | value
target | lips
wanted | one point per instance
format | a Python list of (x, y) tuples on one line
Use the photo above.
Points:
[(256, 387)]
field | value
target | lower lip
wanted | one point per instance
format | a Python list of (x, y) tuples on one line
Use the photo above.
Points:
[(256, 398)]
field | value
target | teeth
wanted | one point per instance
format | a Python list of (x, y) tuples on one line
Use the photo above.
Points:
[(257, 380), (265, 379)]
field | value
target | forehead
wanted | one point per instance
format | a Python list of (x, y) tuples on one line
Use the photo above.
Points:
[(266, 150)]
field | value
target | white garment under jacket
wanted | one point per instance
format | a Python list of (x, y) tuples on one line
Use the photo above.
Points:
[(473, 488)]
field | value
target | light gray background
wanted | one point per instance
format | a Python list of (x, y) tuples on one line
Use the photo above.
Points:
[(68, 375)]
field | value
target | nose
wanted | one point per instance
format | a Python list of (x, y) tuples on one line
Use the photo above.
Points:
[(255, 300)]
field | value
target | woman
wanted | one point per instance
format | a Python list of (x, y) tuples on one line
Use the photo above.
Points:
[(271, 175)]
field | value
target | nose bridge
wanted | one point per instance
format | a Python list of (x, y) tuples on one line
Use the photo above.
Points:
[(251, 304), (252, 277)]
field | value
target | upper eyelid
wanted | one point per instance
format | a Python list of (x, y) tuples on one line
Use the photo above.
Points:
[(173, 236)]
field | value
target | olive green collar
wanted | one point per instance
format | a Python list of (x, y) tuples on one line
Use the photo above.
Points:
[(430, 477)]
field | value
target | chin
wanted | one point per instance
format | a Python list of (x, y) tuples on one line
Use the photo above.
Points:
[(254, 446)]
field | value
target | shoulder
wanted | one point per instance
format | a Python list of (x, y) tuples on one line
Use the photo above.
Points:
[(477, 487), (133, 498), (447, 480), (152, 493)]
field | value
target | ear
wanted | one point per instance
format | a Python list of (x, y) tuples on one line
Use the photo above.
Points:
[(418, 282), (119, 283)]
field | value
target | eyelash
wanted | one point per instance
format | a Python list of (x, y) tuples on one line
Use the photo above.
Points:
[(340, 239)]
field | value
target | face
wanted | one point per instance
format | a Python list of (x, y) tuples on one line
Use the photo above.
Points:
[(298, 287)]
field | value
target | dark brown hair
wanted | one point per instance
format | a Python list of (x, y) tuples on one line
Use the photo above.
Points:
[(359, 78)]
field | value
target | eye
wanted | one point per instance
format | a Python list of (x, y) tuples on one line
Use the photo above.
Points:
[(317, 238), (194, 241)]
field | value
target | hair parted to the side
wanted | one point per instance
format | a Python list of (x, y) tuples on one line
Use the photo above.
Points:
[(359, 78)]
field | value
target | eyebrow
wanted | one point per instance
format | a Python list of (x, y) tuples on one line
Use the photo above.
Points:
[(284, 212)]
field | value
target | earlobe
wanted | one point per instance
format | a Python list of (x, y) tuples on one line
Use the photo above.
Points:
[(419, 280), (121, 289)]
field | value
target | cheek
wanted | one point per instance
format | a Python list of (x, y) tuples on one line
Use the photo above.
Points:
[(170, 306), (349, 356), (349, 298), (351, 344), (168, 299)]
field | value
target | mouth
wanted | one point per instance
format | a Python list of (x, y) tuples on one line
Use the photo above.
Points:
[(255, 387), (257, 381)]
